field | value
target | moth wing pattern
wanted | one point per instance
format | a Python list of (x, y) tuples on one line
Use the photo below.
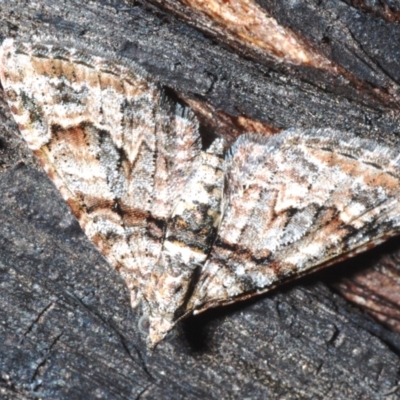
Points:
[(294, 202), (115, 148), (190, 229)]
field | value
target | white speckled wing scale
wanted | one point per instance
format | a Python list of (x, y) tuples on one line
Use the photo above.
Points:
[(191, 229), (117, 151), (295, 202)]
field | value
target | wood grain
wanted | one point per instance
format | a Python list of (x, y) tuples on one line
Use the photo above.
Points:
[(67, 328)]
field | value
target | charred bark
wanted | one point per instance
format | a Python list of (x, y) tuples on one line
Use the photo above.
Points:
[(67, 328)]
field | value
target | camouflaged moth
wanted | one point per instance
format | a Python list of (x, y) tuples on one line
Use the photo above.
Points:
[(189, 229)]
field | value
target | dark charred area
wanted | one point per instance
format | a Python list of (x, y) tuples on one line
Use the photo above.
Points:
[(68, 330)]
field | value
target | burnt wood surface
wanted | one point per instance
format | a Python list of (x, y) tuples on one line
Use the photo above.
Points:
[(67, 330)]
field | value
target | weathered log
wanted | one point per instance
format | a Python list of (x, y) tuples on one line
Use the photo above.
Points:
[(68, 330)]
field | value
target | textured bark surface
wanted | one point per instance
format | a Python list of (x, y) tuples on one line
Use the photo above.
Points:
[(375, 287), (67, 329)]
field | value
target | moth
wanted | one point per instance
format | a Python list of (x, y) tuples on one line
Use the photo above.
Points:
[(191, 228)]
